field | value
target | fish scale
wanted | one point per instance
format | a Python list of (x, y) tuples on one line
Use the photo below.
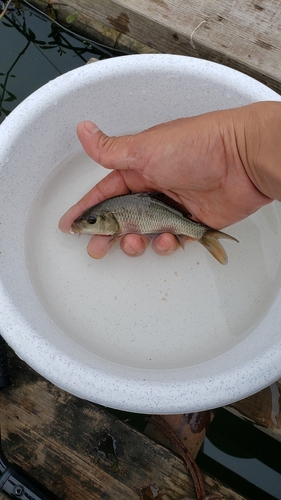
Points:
[(148, 213)]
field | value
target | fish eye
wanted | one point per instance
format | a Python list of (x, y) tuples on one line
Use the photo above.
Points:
[(91, 219)]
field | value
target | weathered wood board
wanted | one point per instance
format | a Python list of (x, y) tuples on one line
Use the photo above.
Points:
[(243, 34), (78, 450)]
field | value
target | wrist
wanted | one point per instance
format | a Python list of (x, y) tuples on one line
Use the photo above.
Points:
[(260, 146)]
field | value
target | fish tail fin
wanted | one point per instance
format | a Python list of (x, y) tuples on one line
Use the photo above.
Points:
[(211, 243)]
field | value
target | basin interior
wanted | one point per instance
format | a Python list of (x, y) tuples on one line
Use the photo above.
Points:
[(149, 312), (150, 334)]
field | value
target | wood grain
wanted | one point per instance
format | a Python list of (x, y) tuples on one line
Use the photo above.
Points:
[(242, 34), (78, 450)]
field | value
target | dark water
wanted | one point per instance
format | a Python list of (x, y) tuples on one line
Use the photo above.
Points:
[(33, 51)]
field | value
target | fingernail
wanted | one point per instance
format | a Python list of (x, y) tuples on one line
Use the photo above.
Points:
[(128, 249), (163, 244), (90, 127)]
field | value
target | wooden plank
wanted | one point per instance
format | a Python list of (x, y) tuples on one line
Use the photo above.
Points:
[(262, 409), (243, 34), (92, 29), (78, 450)]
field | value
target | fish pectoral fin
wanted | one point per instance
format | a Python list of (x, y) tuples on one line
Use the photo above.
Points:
[(113, 236), (181, 240)]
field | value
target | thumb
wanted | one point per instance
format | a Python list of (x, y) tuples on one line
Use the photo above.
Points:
[(110, 152)]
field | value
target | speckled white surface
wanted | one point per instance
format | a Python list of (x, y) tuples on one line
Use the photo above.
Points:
[(149, 343)]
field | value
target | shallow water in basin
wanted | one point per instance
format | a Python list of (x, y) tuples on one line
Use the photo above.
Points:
[(151, 312)]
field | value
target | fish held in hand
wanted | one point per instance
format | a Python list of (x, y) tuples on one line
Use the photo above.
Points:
[(149, 214)]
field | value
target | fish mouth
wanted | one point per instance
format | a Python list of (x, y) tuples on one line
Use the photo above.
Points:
[(75, 228)]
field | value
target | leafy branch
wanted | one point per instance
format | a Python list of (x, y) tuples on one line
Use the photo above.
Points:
[(5, 9), (3, 86), (58, 41)]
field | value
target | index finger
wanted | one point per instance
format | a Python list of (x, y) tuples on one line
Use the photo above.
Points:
[(111, 185)]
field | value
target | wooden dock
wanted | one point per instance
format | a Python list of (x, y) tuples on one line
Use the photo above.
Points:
[(243, 34), (80, 450)]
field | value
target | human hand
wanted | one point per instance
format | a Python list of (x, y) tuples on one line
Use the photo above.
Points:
[(203, 162)]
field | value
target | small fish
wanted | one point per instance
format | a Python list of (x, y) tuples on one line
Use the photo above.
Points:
[(150, 214)]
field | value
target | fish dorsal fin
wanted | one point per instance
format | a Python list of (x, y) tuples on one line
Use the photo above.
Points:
[(167, 201)]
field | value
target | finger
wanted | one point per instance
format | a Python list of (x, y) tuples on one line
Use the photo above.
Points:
[(111, 185), (134, 245), (111, 152), (165, 244), (99, 246)]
